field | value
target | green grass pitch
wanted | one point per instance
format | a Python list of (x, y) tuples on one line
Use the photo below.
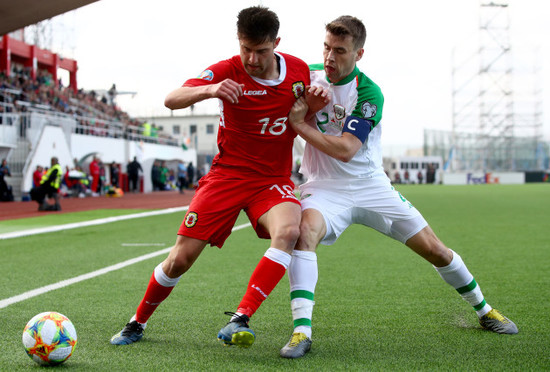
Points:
[(378, 305)]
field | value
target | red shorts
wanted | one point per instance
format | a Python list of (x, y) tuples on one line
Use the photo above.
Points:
[(219, 200)]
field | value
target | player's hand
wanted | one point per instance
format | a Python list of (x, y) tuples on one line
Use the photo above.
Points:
[(317, 98), (228, 90), (298, 113)]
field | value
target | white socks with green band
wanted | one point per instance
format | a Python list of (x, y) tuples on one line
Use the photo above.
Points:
[(457, 275), (302, 274)]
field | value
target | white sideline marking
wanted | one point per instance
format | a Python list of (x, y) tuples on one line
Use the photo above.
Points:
[(143, 244), (64, 283), (99, 221)]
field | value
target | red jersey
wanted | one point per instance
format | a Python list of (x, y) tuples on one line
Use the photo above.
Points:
[(254, 137), (36, 177)]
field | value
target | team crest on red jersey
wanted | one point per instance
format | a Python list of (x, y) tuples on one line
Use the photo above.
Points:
[(298, 89), (191, 219)]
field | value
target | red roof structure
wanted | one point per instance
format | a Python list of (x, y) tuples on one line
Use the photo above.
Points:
[(13, 50)]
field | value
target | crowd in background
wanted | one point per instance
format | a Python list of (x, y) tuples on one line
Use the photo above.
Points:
[(419, 176), (94, 112), (164, 178), (23, 91), (77, 181)]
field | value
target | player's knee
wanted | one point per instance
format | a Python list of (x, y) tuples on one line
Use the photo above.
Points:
[(311, 232), (438, 254), (428, 245), (177, 267), (288, 233), (293, 232)]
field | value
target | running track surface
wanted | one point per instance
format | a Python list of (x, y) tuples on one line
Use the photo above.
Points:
[(153, 200)]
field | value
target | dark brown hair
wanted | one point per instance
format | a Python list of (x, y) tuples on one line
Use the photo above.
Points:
[(257, 24), (348, 25)]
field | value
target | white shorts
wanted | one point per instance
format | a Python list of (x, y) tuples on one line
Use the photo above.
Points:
[(371, 202)]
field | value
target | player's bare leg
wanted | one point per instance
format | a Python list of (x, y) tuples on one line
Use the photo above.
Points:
[(165, 277), (282, 222)]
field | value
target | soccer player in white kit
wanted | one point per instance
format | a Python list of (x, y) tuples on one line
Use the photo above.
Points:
[(346, 184)]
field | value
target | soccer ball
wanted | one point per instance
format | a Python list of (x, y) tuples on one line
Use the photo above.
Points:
[(49, 338)]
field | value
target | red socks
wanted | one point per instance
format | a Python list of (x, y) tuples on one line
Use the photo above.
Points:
[(265, 277), (160, 286)]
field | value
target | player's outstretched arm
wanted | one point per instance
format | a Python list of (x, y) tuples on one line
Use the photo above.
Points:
[(342, 148), (185, 96)]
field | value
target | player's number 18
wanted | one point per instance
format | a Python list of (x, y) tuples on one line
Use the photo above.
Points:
[(276, 128)]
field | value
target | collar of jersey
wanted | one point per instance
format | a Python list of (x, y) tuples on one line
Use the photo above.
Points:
[(282, 74), (347, 79)]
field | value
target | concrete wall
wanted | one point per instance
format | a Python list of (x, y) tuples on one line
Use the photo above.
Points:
[(54, 142)]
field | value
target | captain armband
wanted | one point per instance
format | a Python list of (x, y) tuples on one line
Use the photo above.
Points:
[(359, 127)]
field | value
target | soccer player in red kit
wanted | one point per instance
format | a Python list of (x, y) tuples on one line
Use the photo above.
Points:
[(251, 172)]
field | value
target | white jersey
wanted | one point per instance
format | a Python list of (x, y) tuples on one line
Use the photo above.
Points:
[(357, 96)]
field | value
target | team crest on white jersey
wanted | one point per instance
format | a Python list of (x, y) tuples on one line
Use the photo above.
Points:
[(207, 75), (368, 110), (298, 89), (339, 112)]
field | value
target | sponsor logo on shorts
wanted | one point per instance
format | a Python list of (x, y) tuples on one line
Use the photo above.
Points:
[(191, 219)]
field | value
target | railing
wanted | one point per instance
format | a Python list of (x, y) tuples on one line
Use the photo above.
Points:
[(28, 125), (8, 129)]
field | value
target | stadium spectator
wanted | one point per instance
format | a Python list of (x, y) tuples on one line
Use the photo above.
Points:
[(95, 174), (154, 131), (397, 177), (6, 193), (430, 174), (156, 176), (406, 177), (171, 180), (5, 169), (37, 176), (182, 176), (133, 168), (2, 111), (114, 173), (347, 185), (163, 178), (190, 175), (251, 173), (146, 130), (49, 188), (419, 177), (102, 177)]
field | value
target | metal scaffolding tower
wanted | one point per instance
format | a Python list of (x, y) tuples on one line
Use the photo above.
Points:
[(488, 108)]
